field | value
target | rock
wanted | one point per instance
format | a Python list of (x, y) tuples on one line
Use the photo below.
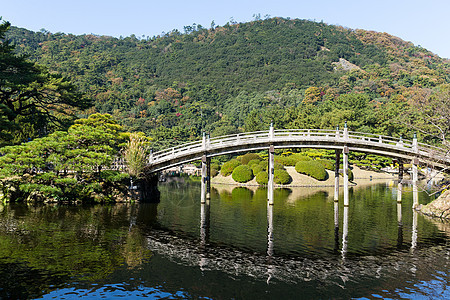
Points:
[(438, 208)]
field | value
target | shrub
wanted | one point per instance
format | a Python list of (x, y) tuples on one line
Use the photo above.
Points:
[(242, 174), (253, 162), (328, 164), (281, 177), (287, 160), (350, 173), (214, 172), (229, 166), (312, 168), (246, 158), (264, 164), (300, 157), (262, 177), (257, 168)]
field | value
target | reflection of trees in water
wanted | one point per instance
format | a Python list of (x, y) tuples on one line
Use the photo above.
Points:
[(179, 194), (82, 243)]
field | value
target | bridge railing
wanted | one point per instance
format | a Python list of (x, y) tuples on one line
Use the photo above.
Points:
[(294, 134)]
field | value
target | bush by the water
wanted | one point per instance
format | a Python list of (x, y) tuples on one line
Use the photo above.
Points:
[(312, 168), (257, 168), (281, 177), (229, 166), (246, 158), (349, 173), (301, 157), (253, 162), (214, 172), (242, 174), (287, 160), (262, 177), (328, 164)]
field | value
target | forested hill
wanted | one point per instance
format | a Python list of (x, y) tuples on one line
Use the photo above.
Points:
[(240, 76)]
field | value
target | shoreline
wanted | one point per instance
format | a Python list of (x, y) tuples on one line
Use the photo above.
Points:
[(361, 177)]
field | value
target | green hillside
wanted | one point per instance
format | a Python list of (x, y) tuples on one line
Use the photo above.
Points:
[(242, 76)]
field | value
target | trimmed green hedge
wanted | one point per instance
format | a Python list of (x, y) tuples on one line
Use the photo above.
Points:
[(253, 162), (246, 158), (262, 177), (286, 160), (300, 157), (257, 168), (281, 177), (328, 164), (312, 168), (214, 172), (229, 166), (242, 174)]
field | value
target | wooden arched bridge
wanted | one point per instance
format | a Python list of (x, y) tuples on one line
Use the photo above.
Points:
[(396, 148), (342, 141)]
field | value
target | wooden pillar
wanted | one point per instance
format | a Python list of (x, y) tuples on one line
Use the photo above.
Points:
[(345, 170), (336, 175), (204, 180), (271, 170), (415, 162), (400, 181), (208, 177)]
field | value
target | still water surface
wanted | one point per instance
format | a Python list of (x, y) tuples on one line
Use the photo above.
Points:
[(235, 246)]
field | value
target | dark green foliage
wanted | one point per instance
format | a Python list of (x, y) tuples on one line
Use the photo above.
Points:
[(282, 177), (262, 177), (33, 101), (328, 164), (242, 174), (66, 166), (312, 168), (256, 168), (301, 157), (253, 162), (228, 167), (246, 158), (278, 166), (215, 167), (287, 160)]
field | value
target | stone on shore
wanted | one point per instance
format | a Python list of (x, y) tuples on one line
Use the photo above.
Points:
[(438, 208)]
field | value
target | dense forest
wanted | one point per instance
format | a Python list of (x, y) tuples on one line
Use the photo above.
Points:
[(242, 76)]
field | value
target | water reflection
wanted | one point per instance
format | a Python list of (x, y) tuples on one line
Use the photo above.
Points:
[(400, 226), (235, 240), (204, 222), (345, 233)]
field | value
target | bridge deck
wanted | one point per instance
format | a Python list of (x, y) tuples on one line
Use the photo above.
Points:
[(300, 138)]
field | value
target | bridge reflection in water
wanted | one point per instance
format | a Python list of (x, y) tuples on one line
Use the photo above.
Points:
[(205, 209)]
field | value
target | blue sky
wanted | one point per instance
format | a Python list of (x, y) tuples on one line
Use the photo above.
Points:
[(424, 23)]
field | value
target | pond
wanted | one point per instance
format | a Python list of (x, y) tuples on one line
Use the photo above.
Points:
[(234, 246)]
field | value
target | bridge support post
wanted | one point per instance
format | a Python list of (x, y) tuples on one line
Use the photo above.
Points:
[(345, 171), (414, 164), (336, 175), (271, 170), (205, 182), (400, 182)]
